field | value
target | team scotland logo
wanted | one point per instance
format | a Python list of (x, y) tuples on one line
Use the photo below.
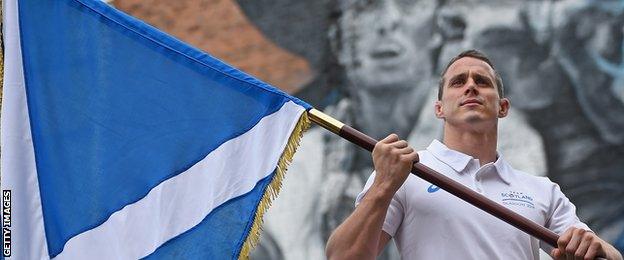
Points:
[(514, 198)]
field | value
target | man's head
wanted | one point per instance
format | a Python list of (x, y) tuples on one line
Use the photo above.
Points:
[(471, 92), (382, 44), (477, 55)]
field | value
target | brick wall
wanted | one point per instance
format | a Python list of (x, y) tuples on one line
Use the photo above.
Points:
[(221, 29)]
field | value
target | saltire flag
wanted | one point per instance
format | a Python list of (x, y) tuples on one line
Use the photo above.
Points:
[(121, 142)]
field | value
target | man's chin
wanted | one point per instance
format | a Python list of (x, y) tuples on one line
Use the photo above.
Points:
[(475, 117), (474, 120), (481, 121)]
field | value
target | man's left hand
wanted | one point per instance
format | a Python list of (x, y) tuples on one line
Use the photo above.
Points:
[(577, 243)]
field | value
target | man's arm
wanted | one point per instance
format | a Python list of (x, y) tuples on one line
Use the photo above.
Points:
[(578, 243), (360, 236)]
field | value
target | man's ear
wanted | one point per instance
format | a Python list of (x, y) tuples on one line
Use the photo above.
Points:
[(505, 104), (438, 109)]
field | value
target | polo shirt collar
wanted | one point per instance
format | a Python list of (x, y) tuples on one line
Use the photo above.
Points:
[(459, 161), (503, 169), (456, 160)]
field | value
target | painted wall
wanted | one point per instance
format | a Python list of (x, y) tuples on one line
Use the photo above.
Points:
[(375, 64)]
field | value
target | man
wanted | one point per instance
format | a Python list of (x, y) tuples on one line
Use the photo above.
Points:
[(431, 224)]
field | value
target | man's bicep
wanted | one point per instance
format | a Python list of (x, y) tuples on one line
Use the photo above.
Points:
[(383, 241)]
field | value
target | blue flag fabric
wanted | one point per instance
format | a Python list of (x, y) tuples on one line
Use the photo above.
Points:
[(142, 146)]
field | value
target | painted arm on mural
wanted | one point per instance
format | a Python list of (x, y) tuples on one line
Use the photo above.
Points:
[(361, 236)]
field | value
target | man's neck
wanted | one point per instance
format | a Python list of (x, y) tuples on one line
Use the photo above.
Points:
[(478, 144)]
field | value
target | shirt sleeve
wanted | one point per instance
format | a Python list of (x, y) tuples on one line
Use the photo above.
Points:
[(394, 215), (562, 215)]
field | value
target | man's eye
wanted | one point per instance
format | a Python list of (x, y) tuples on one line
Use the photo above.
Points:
[(482, 82)]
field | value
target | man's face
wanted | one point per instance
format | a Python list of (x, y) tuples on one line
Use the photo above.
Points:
[(384, 42), (470, 95)]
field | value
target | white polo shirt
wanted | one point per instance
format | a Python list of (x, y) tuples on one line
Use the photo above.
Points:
[(430, 223)]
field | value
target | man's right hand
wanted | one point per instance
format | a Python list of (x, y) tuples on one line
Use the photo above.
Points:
[(393, 160), (360, 236)]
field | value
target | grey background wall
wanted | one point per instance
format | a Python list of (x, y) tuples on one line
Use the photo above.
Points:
[(375, 65)]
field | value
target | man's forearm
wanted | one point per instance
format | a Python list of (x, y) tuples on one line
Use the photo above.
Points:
[(359, 235)]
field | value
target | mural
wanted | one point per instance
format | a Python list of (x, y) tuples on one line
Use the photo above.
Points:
[(377, 64)]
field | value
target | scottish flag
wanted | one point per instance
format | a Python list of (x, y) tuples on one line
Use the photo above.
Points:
[(121, 142)]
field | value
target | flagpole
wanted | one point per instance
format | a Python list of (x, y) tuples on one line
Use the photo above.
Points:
[(445, 183)]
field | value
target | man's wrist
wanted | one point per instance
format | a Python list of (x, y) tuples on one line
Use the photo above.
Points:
[(380, 193)]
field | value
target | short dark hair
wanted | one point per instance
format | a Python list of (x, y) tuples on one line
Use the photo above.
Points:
[(477, 55)]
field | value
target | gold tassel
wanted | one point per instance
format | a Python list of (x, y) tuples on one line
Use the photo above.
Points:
[(273, 188)]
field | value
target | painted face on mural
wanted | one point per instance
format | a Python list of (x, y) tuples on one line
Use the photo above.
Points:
[(383, 42), (486, 25)]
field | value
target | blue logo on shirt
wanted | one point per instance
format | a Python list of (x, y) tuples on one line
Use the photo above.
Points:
[(433, 188)]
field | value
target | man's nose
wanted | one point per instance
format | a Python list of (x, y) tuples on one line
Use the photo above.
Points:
[(389, 18), (471, 88), (451, 23)]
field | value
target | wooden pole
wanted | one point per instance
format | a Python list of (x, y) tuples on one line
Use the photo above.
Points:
[(441, 181)]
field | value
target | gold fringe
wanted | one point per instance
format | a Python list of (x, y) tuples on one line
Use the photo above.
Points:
[(273, 188)]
